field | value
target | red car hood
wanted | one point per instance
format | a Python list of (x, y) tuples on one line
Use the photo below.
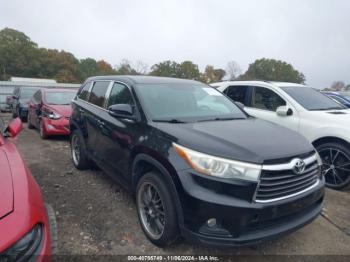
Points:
[(63, 110), (6, 187)]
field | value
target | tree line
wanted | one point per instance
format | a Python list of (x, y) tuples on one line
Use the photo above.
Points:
[(20, 56)]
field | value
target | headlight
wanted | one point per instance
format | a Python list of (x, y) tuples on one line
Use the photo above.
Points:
[(54, 115), (50, 114), (218, 167), (25, 247)]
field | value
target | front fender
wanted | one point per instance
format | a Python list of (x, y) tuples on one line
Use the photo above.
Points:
[(170, 177), (338, 132)]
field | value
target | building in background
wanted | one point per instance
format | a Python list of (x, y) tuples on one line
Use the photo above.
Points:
[(7, 87)]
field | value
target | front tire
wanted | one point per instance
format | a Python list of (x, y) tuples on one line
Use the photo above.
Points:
[(42, 132), (156, 210), (30, 125), (78, 151), (336, 164)]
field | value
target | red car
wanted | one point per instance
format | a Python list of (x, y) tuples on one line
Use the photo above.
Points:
[(50, 110), (25, 232)]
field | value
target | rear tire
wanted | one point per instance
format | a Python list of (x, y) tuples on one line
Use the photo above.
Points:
[(156, 210), (336, 164), (78, 150)]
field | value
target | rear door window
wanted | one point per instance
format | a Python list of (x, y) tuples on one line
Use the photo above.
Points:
[(98, 93), (238, 93), (37, 97)]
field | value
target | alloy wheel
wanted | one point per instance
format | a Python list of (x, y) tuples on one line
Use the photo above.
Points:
[(336, 166), (151, 210), (75, 149)]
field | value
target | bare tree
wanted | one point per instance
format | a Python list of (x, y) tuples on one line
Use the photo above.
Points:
[(338, 86), (233, 70), (141, 68)]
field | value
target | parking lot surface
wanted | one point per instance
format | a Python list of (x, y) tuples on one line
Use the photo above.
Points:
[(97, 216)]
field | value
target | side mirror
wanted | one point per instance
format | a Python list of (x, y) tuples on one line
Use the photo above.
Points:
[(284, 111), (122, 111), (14, 128), (240, 105), (14, 97)]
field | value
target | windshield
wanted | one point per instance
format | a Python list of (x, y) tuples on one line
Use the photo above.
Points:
[(311, 99), (59, 98), (186, 103), (340, 99), (27, 93)]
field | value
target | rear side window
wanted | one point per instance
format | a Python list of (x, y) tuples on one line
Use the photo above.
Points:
[(266, 99), (84, 93), (237, 93), (37, 97), (120, 94), (98, 93)]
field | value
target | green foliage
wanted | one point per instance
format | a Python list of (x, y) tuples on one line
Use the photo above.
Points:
[(167, 68), (272, 70), (125, 68), (19, 56), (87, 67), (186, 69), (189, 70)]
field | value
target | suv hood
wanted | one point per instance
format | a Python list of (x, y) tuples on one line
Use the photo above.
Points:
[(250, 140), (6, 186), (340, 117)]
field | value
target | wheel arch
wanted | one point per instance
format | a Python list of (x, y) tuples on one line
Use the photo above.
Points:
[(73, 126), (144, 162), (330, 139)]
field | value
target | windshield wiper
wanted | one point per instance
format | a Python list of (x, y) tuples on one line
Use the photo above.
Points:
[(329, 108), (221, 119), (173, 121)]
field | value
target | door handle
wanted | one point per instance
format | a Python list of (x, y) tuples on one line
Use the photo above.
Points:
[(81, 110)]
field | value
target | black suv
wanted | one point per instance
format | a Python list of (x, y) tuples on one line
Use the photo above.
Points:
[(20, 99), (198, 165)]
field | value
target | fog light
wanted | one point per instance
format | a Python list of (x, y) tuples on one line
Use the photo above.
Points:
[(50, 127), (211, 222)]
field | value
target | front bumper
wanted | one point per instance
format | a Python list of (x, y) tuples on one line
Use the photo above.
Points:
[(242, 221), (56, 126)]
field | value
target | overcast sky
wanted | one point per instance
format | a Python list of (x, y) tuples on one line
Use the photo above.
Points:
[(312, 35)]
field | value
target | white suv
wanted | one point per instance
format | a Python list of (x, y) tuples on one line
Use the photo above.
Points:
[(324, 122)]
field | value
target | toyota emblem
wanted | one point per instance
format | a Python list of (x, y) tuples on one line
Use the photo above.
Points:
[(299, 166)]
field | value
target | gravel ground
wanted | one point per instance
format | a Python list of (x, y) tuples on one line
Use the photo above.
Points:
[(96, 216)]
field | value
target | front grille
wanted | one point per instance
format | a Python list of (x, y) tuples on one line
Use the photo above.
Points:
[(277, 184)]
